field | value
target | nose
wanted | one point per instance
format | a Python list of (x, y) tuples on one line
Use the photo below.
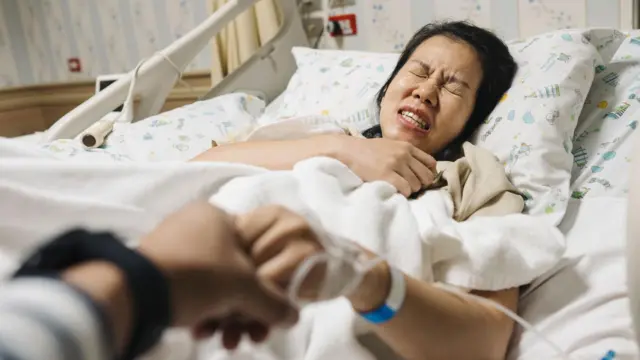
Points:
[(427, 92)]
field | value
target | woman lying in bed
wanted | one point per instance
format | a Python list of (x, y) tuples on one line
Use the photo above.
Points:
[(447, 81)]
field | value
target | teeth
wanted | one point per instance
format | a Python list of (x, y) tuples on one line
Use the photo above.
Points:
[(414, 119)]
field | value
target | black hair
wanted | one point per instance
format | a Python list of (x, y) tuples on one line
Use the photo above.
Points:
[(498, 71)]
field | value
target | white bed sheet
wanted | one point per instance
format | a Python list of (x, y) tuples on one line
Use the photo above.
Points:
[(583, 305), (30, 138)]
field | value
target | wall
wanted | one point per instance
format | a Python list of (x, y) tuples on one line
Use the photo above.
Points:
[(385, 25), (37, 37), (24, 110)]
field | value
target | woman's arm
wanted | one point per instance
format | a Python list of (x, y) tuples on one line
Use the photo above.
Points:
[(436, 322), (432, 323), (404, 166), (274, 155)]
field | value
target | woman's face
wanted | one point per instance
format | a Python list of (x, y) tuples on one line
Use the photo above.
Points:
[(430, 99)]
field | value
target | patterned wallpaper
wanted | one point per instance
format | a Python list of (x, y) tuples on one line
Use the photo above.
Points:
[(386, 25), (37, 37)]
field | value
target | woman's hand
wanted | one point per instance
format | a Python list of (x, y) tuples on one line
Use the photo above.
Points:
[(278, 241), (406, 167), (212, 280)]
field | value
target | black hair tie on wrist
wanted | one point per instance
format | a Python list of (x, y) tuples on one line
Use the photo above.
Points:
[(147, 284)]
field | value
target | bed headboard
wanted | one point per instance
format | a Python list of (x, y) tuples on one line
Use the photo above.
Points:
[(267, 72)]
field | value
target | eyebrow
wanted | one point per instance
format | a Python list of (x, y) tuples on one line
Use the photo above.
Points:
[(451, 78)]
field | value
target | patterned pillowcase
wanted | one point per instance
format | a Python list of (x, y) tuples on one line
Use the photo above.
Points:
[(603, 141), (73, 150), (340, 84), (532, 127), (185, 132)]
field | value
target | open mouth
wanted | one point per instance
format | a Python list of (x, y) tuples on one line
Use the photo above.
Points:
[(415, 119)]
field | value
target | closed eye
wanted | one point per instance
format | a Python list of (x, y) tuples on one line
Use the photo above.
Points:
[(423, 75), (453, 88), (419, 69)]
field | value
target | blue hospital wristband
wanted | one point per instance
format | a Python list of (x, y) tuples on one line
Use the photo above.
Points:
[(394, 300)]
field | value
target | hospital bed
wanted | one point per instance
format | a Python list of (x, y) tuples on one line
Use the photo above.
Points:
[(583, 303)]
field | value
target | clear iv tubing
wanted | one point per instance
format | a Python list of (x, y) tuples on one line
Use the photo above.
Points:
[(515, 317), (362, 268), (304, 269)]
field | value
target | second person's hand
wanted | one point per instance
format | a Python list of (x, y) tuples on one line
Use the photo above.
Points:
[(279, 241), (213, 282)]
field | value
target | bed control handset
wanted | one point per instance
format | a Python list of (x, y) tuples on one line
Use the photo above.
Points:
[(96, 134)]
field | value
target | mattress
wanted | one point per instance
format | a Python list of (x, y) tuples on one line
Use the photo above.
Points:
[(582, 305)]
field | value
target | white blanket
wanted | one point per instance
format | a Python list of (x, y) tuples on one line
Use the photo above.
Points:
[(42, 195)]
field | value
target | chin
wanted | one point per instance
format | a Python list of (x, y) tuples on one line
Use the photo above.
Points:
[(401, 134)]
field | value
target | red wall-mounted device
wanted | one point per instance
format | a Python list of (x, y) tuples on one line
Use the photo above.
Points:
[(342, 25), (74, 65)]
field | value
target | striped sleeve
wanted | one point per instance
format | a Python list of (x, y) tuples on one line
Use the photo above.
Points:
[(45, 318)]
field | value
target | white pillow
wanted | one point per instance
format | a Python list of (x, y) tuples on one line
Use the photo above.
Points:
[(532, 127), (340, 84)]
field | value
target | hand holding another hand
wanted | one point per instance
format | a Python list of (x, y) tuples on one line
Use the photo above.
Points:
[(278, 241), (213, 281), (229, 273), (225, 273)]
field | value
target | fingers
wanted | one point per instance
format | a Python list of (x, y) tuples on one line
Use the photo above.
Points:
[(231, 335), (252, 225), (264, 303), (424, 174), (280, 268), (281, 234), (267, 230), (424, 158), (411, 177), (257, 331), (400, 183), (232, 330), (205, 329)]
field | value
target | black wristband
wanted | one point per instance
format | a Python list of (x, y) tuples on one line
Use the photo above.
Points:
[(147, 284)]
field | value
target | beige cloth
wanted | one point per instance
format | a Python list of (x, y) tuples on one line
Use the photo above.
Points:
[(478, 185)]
